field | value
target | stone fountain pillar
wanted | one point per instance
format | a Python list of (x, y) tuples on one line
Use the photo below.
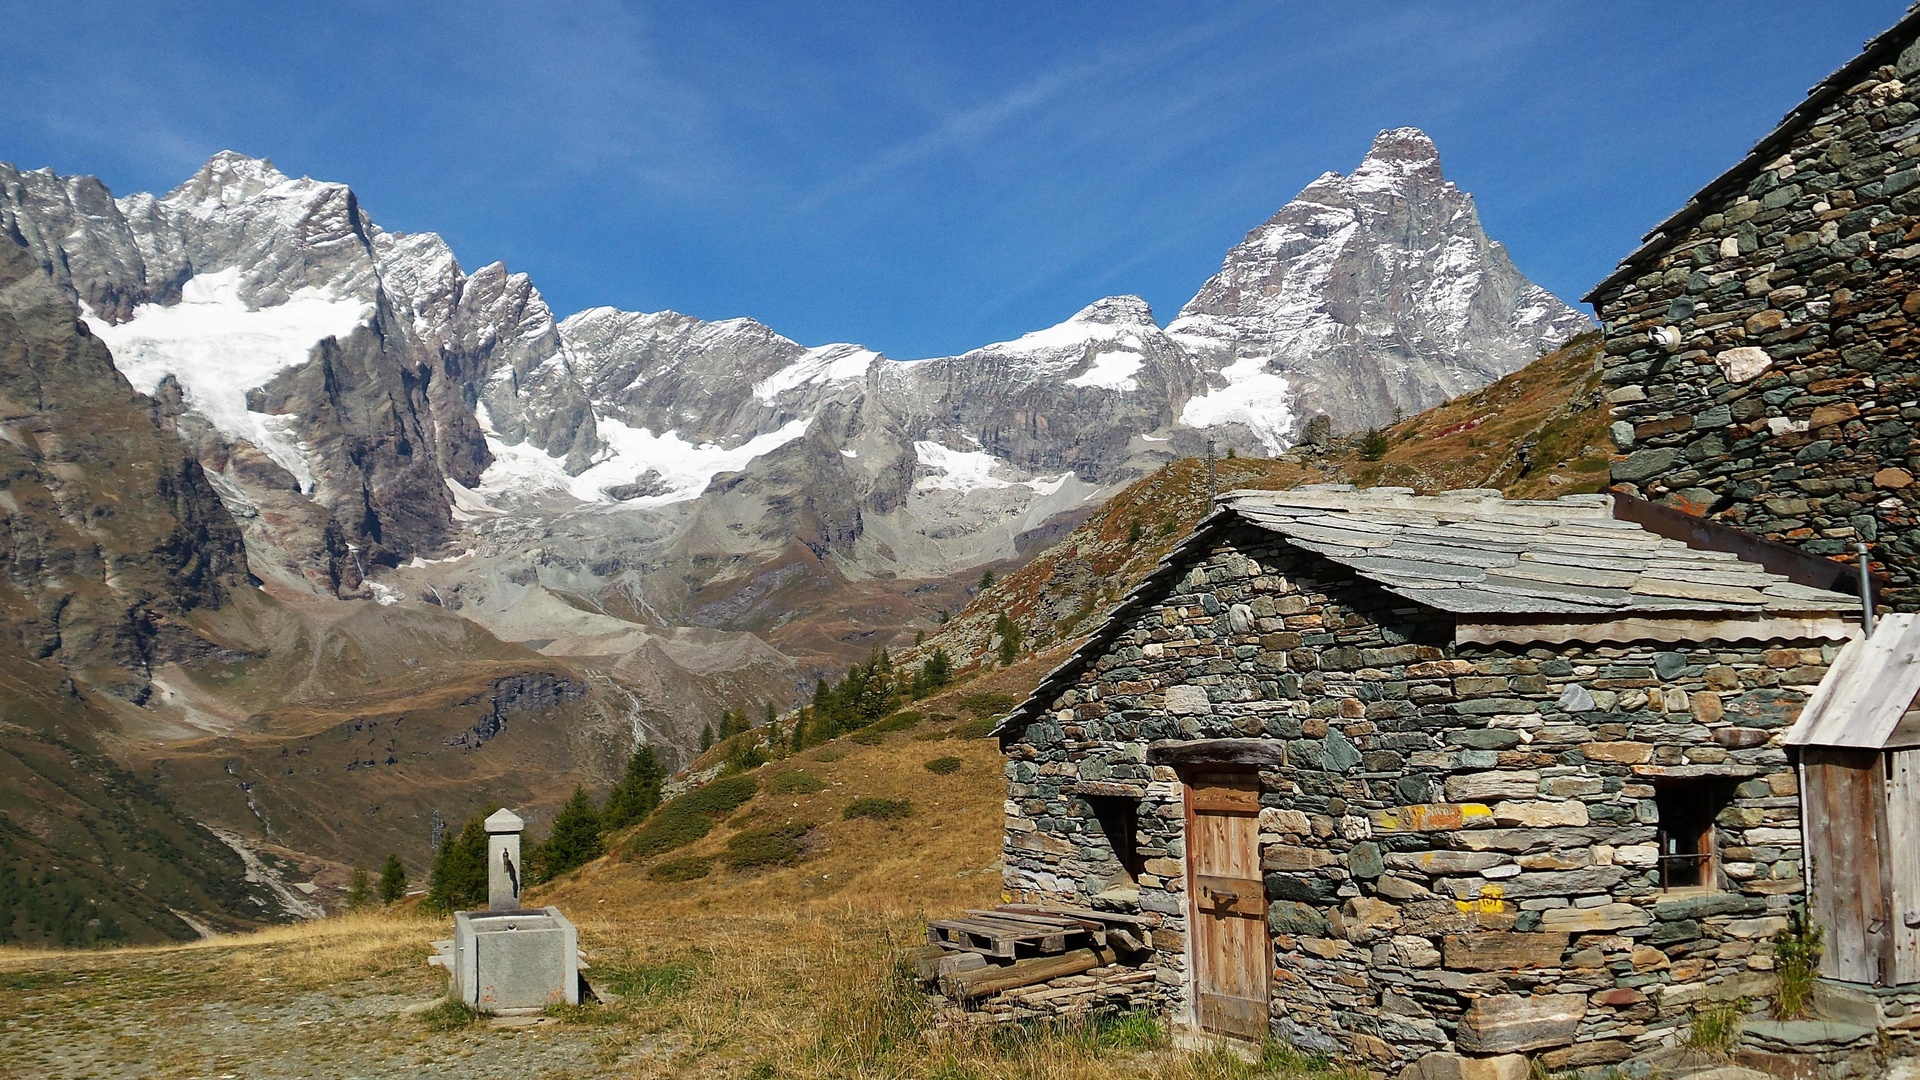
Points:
[(504, 873)]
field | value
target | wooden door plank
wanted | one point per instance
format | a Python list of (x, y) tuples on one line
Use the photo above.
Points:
[(1845, 808), (1233, 1015), (1224, 800), (1229, 949), (1220, 896), (1903, 858)]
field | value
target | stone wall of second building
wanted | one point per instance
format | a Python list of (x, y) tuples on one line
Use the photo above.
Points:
[(1784, 395)]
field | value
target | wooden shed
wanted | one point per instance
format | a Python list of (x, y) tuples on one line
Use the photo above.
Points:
[(1858, 742)]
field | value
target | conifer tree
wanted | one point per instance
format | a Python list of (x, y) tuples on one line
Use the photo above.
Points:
[(574, 841), (393, 880), (637, 793), (706, 738), (359, 891), (1009, 633), (459, 878)]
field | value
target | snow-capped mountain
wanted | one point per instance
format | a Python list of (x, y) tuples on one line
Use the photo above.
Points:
[(384, 424), (1368, 293)]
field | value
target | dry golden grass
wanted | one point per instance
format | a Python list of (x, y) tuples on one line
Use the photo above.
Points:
[(777, 972), (941, 859)]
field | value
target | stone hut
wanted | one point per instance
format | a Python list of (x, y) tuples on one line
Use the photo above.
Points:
[(1760, 351), (1406, 775)]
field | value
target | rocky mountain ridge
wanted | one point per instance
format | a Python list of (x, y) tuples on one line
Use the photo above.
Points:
[(418, 543), (693, 509)]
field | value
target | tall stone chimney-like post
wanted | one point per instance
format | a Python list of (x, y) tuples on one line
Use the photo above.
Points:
[(504, 872)]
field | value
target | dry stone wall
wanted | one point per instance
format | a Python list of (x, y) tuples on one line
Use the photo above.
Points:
[(1460, 849), (1760, 358)]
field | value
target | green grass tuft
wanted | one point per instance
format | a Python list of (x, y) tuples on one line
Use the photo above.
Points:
[(944, 766), (879, 809), (1713, 1027), (797, 782), (776, 845), (690, 868), (450, 1016), (643, 983)]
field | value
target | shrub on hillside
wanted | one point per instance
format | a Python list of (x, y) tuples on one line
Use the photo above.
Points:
[(878, 809), (688, 868), (775, 845), (797, 782), (987, 703), (683, 820), (944, 766), (975, 729), (874, 732)]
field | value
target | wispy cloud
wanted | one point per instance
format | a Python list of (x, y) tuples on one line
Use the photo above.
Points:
[(971, 126)]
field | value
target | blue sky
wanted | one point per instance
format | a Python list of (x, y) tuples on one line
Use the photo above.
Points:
[(922, 178)]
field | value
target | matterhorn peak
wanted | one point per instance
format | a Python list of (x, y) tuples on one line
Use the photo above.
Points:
[(1406, 151), (1371, 294)]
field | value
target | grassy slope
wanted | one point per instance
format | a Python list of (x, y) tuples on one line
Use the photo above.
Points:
[(785, 971)]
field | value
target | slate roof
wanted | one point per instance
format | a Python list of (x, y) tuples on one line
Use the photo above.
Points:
[(1866, 699), (1474, 553), (1884, 48)]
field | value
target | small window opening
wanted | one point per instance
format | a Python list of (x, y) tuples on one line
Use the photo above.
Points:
[(1685, 835), (1119, 819)]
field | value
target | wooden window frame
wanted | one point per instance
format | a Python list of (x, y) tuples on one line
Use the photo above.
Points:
[(1702, 799)]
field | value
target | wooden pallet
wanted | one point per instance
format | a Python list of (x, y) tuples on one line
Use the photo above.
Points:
[(999, 934), (1012, 930)]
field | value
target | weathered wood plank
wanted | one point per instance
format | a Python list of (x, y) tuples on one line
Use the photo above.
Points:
[(993, 979), (1844, 801), (1086, 913), (1903, 857), (1754, 628), (1200, 752)]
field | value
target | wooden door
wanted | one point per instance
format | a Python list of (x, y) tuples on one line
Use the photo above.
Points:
[(1903, 862), (1228, 949), (1844, 805)]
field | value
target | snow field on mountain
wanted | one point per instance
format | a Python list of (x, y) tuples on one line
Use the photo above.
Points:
[(219, 348), (971, 470), (823, 364), (1111, 371), (683, 469), (1253, 396)]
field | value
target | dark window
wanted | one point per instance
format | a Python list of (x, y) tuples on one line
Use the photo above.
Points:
[(1119, 819), (1685, 835)]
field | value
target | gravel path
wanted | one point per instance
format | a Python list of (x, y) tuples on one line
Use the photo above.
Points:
[(150, 1018)]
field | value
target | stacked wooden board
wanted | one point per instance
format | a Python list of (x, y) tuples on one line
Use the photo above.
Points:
[(989, 952)]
